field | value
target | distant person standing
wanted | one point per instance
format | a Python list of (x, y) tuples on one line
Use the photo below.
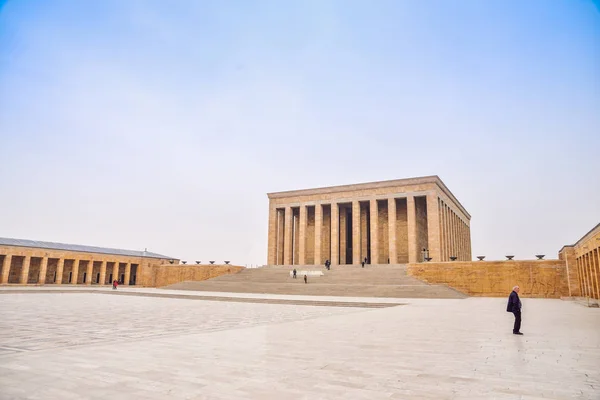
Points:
[(115, 284), (305, 279), (514, 306), (294, 272)]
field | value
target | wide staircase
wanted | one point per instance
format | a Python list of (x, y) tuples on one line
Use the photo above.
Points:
[(383, 280)]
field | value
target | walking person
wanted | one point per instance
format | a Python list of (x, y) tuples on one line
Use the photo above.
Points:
[(294, 272), (514, 306), (115, 284), (305, 279)]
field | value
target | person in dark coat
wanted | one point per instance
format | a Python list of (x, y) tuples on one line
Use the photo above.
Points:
[(514, 306), (294, 273), (305, 279)]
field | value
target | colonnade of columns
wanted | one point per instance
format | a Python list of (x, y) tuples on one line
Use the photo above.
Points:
[(455, 233), (588, 268), (389, 229), (24, 275)]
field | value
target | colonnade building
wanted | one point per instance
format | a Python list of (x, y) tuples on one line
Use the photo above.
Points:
[(35, 262), (395, 222)]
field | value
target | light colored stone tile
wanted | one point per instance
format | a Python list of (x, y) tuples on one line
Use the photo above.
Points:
[(94, 346)]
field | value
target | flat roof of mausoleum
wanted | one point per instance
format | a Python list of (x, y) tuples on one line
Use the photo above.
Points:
[(371, 185)]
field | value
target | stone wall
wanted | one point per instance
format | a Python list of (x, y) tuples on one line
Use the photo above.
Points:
[(168, 274), (545, 278)]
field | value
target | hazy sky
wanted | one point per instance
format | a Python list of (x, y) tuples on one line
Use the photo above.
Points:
[(162, 125)]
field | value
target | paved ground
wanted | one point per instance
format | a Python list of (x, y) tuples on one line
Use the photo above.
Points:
[(96, 346)]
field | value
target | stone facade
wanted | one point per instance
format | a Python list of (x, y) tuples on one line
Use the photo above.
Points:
[(574, 274), (537, 278), (387, 222), (167, 274), (58, 265), (582, 261)]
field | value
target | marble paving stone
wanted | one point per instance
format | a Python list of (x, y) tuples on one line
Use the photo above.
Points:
[(94, 346)]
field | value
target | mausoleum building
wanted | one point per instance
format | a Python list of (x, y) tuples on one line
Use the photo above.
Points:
[(388, 222)]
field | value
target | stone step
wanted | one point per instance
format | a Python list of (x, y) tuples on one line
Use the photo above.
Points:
[(382, 280), (313, 289)]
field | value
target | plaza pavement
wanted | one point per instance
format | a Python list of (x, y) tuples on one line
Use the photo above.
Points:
[(62, 344)]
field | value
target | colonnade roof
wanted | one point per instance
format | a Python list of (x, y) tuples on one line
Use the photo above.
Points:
[(79, 248), (373, 185)]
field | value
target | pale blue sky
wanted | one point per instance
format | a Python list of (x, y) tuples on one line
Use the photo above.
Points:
[(163, 125)]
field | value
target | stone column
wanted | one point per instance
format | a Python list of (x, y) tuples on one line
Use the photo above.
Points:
[(102, 273), (335, 234), (43, 270), (433, 226), (89, 272), (127, 273), (583, 279), (412, 229), (287, 245), (392, 231), (588, 271), (6, 268), (356, 256), (272, 236), (280, 236), (318, 233), (460, 238), (374, 231), (453, 233), (457, 233), (442, 230), (302, 236), (25, 270), (448, 234), (115, 272), (593, 274), (470, 244), (343, 228), (364, 232), (75, 275), (581, 272), (597, 269), (60, 266), (465, 242)]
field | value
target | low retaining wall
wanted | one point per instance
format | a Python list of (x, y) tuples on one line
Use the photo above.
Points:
[(168, 274), (536, 278)]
